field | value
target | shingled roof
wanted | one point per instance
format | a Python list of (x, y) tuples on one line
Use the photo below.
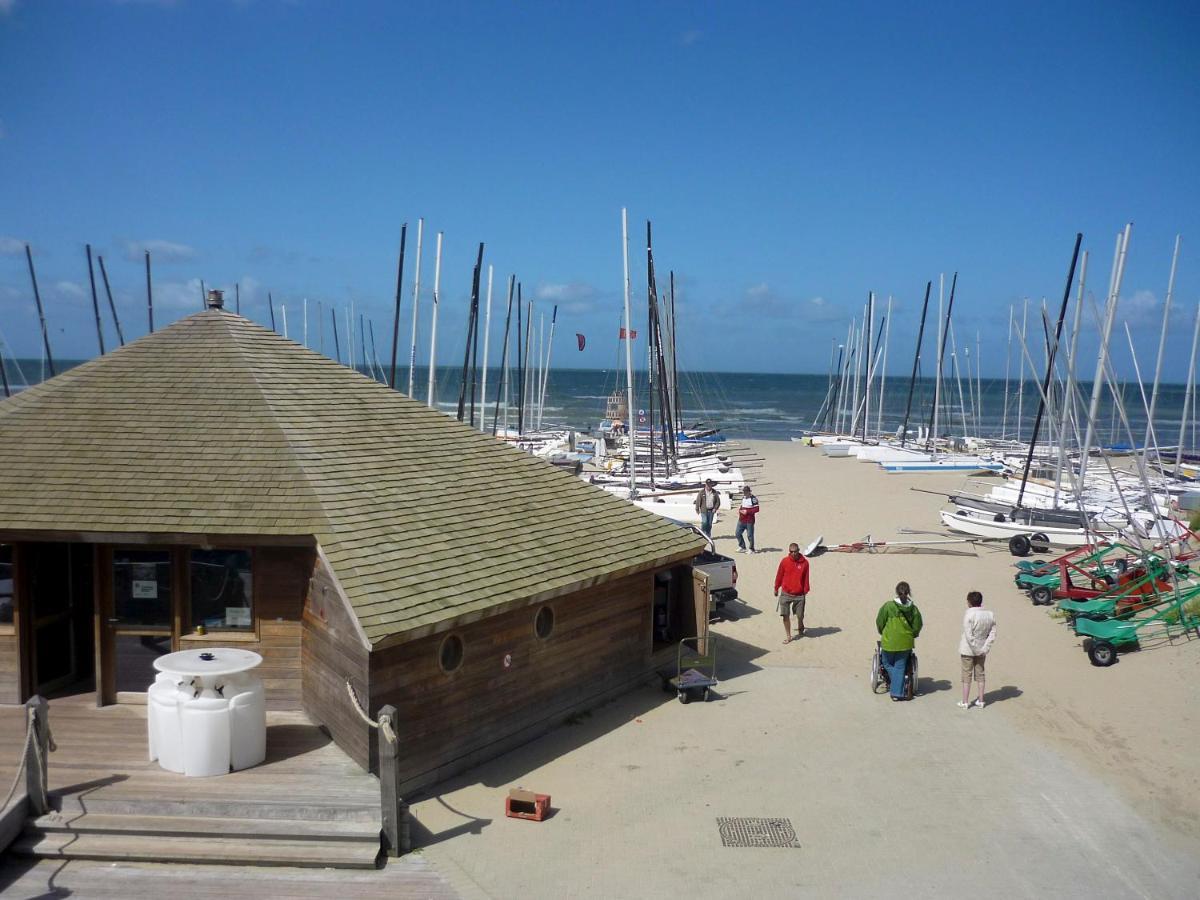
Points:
[(218, 426)]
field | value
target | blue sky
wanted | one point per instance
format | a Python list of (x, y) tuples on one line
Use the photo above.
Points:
[(791, 159)]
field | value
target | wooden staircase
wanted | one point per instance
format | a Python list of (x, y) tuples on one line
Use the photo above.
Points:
[(227, 832)]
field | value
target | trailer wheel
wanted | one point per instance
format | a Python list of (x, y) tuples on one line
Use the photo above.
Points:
[(685, 697), (1041, 595), (1102, 653), (1018, 545), (1040, 542)]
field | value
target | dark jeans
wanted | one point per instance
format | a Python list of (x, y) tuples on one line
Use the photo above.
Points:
[(706, 517)]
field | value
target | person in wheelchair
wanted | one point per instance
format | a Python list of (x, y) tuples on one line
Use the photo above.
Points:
[(898, 623)]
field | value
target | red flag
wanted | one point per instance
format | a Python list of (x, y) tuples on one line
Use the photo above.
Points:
[(631, 334), (582, 340)]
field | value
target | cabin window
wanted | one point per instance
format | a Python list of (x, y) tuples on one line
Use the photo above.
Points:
[(450, 656), (6, 584), (143, 588), (543, 622), (222, 590)]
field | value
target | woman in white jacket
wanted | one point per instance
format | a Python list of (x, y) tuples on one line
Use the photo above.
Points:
[(978, 633)]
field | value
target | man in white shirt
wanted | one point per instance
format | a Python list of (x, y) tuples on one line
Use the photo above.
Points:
[(978, 634)]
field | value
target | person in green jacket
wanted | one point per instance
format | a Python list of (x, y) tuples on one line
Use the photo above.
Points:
[(898, 624)]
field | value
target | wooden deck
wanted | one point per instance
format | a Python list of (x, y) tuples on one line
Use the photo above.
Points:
[(308, 805)]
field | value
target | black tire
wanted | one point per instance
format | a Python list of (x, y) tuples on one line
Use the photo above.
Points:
[(685, 697), (1102, 653), (1018, 545), (876, 673), (1040, 542), (707, 695), (1121, 565), (1041, 595)]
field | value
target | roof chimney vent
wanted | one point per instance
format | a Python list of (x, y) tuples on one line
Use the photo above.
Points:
[(215, 300)]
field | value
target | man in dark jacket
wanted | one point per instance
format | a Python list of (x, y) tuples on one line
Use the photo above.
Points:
[(898, 623), (707, 502)]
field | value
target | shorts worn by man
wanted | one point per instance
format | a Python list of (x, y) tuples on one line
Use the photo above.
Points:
[(791, 587)]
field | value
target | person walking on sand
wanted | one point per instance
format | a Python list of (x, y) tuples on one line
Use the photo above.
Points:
[(746, 513), (708, 501), (898, 623), (978, 635), (791, 587)]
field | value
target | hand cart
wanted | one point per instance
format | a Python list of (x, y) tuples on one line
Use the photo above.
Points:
[(695, 669)]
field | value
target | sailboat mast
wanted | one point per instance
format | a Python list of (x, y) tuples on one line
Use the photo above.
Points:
[(412, 352), (912, 383), (1062, 314), (937, 378), (1189, 395), (546, 371), (1021, 379), (111, 306), (487, 328), (95, 298), (37, 296), (396, 315), (1162, 343), (1118, 271), (674, 359), (1069, 390), (502, 387), (870, 367), (887, 334), (650, 349), (628, 355), (437, 294)]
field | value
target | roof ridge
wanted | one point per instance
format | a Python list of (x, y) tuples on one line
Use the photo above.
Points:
[(296, 457)]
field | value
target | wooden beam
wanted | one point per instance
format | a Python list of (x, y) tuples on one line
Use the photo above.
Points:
[(146, 537), (37, 751), (395, 831)]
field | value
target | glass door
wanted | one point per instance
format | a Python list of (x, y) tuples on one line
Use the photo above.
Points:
[(141, 626)]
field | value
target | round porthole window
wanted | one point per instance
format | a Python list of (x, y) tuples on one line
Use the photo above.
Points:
[(543, 622), (451, 655)]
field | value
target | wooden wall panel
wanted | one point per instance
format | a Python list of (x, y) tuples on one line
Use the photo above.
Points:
[(332, 651), (10, 680), (600, 645), (281, 576)]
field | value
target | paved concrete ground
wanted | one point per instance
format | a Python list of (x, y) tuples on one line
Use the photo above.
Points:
[(921, 796)]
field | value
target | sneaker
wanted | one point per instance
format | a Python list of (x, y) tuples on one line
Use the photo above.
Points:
[(741, 549), (962, 705), (978, 704)]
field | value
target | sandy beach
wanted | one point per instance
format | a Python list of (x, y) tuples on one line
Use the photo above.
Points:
[(1072, 779)]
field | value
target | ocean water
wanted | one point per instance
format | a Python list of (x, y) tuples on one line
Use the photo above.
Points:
[(779, 406)]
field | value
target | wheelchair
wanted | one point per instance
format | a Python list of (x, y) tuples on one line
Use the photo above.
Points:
[(879, 675)]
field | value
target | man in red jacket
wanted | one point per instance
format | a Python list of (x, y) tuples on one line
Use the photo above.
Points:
[(791, 587)]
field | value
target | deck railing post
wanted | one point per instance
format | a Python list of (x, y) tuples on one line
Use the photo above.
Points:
[(396, 838), (37, 752)]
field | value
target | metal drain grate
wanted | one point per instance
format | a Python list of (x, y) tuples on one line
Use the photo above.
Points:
[(742, 832)]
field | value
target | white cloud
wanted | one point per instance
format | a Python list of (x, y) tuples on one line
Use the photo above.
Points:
[(7, 6), (10, 246), (762, 289), (68, 290), (178, 295), (160, 251), (575, 297), (691, 36)]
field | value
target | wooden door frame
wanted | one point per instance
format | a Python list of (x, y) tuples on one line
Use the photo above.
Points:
[(106, 657)]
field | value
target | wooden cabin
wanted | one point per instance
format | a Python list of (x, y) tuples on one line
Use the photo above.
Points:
[(216, 484)]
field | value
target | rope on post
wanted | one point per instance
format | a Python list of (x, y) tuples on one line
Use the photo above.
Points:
[(385, 721), (24, 755)]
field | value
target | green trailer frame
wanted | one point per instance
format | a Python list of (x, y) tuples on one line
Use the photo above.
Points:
[(1103, 639)]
